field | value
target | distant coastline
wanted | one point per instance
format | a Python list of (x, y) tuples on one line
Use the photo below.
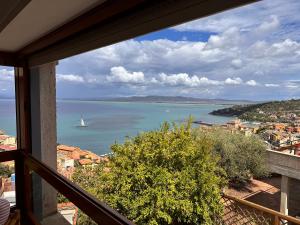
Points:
[(166, 99), (274, 111)]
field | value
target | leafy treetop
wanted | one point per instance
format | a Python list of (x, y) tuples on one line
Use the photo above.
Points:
[(166, 176)]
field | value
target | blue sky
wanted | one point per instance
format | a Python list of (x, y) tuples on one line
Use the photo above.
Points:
[(252, 52)]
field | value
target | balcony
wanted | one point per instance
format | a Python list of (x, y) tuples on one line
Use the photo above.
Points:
[(285, 164)]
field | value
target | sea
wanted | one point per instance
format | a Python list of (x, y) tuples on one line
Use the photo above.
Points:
[(111, 122)]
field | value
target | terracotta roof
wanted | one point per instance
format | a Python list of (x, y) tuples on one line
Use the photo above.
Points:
[(75, 155), (66, 205), (8, 147), (3, 137), (85, 161), (66, 148)]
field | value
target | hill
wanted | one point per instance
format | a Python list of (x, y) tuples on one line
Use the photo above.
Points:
[(279, 111), (175, 99)]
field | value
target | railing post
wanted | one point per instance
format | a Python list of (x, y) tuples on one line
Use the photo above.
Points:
[(276, 220)]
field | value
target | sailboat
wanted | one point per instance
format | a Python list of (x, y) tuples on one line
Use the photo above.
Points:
[(82, 123)]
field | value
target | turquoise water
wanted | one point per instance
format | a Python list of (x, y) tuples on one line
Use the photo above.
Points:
[(8, 116), (111, 121)]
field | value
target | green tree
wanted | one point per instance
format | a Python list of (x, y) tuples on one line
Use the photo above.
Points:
[(242, 157), (5, 171), (61, 198), (166, 176)]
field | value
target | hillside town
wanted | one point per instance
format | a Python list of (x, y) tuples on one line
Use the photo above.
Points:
[(283, 137)]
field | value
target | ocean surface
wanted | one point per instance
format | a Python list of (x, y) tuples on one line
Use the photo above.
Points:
[(110, 122)]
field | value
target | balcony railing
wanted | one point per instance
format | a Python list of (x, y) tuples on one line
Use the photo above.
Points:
[(241, 212), (236, 211), (96, 210)]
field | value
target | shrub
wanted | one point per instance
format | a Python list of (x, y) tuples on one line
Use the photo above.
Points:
[(166, 176), (5, 171), (242, 157)]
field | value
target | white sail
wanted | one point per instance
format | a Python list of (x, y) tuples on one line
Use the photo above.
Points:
[(82, 123)]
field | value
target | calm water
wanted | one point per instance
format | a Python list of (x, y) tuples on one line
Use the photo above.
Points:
[(110, 121)]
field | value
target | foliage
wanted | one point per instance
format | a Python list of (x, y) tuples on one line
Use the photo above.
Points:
[(5, 171), (166, 176), (61, 198), (242, 157)]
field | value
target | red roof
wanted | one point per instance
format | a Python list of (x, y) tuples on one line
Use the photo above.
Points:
[(3, 137), (85, 161), (8, 147), (66, 148)]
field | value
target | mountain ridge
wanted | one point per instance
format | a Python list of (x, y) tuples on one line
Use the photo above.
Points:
[(167, 99)]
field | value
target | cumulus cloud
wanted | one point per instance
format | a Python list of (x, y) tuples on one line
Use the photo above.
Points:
[(120, 74), (285, 47), (252, 17), (256, 46), (69, 78), (195, 81), (269, 25), (186, 80), (236, 80), (237, 63), (251, 83), (228, 38)]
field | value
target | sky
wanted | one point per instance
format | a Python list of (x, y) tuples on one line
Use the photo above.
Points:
[(251, 52)]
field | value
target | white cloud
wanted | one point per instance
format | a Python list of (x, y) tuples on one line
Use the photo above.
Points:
[(120, 74), (236, 80), (251, 83), (228, 38), (6, 82), (6, 75), (291, 86), (216, 23), (256, 46), (69, 78), (285, 47), (252, 17), (237, 63), (272, 85), (186, 80), (269, 25)]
